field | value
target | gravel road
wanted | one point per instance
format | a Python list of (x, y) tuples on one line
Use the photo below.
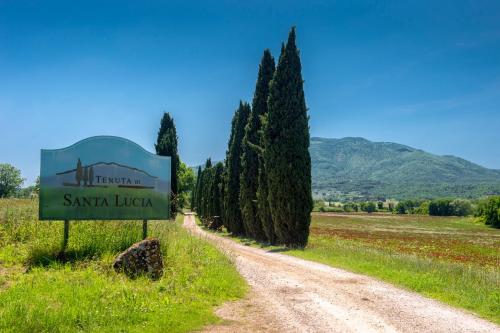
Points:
[(289, 294)]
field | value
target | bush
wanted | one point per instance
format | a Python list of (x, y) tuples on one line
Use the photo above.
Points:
[(449, 207), (489, 211), (408, 207), (423, 209), (441, 207), (368, 207), (350, 207), (461, 207)]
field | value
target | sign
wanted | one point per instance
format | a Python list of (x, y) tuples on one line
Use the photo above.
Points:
[(104, 177)]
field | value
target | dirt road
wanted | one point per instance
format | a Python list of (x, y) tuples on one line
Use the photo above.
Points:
[(294, 295)]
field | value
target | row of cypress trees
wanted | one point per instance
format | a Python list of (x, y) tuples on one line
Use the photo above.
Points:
[(263, 190)]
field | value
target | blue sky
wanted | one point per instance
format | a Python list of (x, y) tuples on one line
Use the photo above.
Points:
[(421, 73)]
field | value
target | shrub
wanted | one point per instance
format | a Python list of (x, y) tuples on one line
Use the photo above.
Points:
[(368, 207), (408, 207), (423, 208), (489, 211), (351, 207), (441, 207), (461, 207)]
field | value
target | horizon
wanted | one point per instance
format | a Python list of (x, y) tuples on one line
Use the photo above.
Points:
[(382, 71)]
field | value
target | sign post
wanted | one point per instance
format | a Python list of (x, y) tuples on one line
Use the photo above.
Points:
[(104, 178), (144, 229), (66, 234)]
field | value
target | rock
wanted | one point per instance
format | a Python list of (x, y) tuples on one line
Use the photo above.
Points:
[(142, 258)]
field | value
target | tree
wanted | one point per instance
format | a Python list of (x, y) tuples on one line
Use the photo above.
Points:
[(286, 150), (251, 160), (206, 179), (91, 175), (197, 190), (166, 145), (423, 209), (216, 196), (368, 207), (461, 207), (401, 208), (489, 211), (85, 176), (10, 180), (233, 219), (37, 185), (79, 172), (441, 207), (185, 184)]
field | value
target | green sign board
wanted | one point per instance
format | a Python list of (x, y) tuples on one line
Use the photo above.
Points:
[(104, 178)]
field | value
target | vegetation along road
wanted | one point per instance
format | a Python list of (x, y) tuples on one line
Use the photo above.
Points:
[(293, 295)]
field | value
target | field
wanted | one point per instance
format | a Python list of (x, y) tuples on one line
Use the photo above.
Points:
[(451, 259), (42, 290)]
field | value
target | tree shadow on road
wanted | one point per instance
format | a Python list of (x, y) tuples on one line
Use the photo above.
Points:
[(279, 250)]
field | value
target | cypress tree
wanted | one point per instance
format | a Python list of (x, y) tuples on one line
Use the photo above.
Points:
[(166, 145), (250, 165), (232, 214), (196, 190), (286, 150), (216, 195), (79, 172), (205, 188)]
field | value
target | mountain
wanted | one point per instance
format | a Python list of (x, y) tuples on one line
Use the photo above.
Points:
[(356, 167)]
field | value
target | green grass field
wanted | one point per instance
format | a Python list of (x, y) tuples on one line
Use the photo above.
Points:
[(44, 291), (452, 259)]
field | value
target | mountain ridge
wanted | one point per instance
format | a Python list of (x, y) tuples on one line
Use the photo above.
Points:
[(355, 168), (363, 168)]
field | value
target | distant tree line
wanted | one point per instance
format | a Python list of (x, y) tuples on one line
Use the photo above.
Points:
[(263, 188), (486, 210), (436, 207)]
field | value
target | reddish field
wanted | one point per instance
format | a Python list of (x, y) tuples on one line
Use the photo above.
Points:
[(451, 239)]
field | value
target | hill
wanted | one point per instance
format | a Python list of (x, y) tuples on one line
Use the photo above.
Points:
[(356, 167)]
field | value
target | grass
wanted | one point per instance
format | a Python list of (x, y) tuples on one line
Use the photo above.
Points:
[(454, 260), (42, 290)]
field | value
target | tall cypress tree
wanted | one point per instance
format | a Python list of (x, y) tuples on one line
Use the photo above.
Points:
[(166, 145), (250, 164), (286, 150), (196, 189), (232, 214), (205, 188), (216, 195)]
